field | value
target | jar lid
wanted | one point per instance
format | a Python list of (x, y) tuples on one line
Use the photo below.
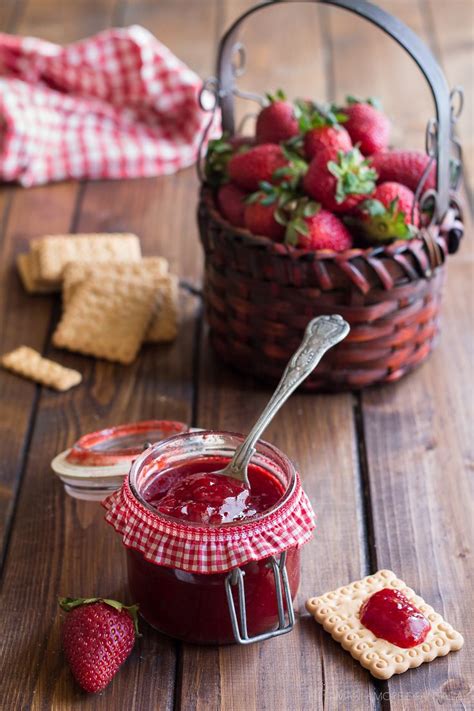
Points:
[(209, 549), (96, 464)]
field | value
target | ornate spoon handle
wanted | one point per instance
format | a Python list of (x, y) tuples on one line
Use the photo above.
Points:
[(321, 334)]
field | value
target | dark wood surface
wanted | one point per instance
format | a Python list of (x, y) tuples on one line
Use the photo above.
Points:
[(389, 471)]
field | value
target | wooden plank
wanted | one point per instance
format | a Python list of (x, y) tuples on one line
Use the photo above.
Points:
[(65, 22), (27, 318), (415, 438), (81, 553), (185, 26), (452, 39), (419, 445), (25, 322), (296, 671), (62, 546)]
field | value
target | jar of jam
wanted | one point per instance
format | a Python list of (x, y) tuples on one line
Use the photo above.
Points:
[(210, 561)]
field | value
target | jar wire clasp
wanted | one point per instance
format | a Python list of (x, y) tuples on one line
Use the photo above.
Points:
[(283, 594)]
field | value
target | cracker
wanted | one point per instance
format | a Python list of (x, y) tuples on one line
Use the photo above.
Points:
[(31, 364), (55, 251), (107, 318), (164, 326), (26, 268), (76, 272), (338, 613)]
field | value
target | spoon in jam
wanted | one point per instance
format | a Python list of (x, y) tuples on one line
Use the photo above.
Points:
[(322, 333)]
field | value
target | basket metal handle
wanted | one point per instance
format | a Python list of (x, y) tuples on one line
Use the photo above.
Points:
[(406, 38)]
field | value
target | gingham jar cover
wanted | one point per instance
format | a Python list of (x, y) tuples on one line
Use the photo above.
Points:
[(209, 549)]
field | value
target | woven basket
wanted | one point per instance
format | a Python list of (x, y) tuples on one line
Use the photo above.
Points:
[(260, 295)]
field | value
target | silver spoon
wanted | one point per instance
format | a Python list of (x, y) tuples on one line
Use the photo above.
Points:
[(322, 333)]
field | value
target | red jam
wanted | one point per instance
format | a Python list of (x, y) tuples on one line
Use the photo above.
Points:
[(195, 494), (391, 616), (193, 607)]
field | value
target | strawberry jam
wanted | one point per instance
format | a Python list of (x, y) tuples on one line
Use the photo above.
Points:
[(196, 494), (175, 481), (391, 616)]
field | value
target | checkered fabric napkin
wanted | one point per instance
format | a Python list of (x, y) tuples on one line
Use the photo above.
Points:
[(116, 105), (209, 549)]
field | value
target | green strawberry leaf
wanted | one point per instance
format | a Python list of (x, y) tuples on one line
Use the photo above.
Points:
[(371, 101)]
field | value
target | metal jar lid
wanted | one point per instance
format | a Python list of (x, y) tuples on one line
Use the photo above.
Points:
[(96, 464)]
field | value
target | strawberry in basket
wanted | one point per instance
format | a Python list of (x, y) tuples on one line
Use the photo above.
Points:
[(339, 180), (322, 128), (367, 125), (276, 122), (405, 167), (391, 213)]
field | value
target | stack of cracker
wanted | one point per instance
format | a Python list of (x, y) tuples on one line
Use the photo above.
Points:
[(113, 298)]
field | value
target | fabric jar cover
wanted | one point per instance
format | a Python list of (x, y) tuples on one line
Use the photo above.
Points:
[(209, 549), (116, 105)]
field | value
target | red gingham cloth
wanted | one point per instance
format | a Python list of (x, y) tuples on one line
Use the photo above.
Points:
[(116, 105), (209, 549)]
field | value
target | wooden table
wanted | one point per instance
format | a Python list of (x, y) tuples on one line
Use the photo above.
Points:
[(389, 470)]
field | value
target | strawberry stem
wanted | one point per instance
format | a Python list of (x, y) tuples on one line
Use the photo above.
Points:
[(70, 603)]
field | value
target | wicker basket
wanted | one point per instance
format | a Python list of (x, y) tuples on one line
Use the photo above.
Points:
[(260, 295)]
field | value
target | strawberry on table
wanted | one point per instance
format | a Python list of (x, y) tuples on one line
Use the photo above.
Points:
[(277, 121), (367, 125), (405, 167), (230, 199), (339, 181), (98, 635), (391, 213), (312, 227), (249, 169)]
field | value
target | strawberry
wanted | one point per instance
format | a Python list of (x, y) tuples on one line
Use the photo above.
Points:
[(265, 210), (219, 152), (277, 121), (260, 220), (335, 137), (405, 167), (367, 125), (339, 181), (321, 128), (314, 228), (231, 204), (258, 164), (98, 636), (387, 215)]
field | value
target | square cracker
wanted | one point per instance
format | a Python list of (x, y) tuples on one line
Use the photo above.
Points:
[(78, 271), (107, 318), (31, 364), (338, 613), (153, 270), (55, 251), (164, 325), (26, 265)]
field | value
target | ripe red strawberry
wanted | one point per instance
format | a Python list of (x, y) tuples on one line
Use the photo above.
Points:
[(367, 125), (258, 164), (339, 181), (277, 121), (231, 204), (321, 230), (260, 220), (98, 636), (405, 167), (333, 137), (387, 215)]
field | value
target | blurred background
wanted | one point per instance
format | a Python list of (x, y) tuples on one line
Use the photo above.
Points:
[(304, 48)]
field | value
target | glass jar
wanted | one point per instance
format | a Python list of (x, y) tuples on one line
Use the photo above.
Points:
[(247, 599)]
